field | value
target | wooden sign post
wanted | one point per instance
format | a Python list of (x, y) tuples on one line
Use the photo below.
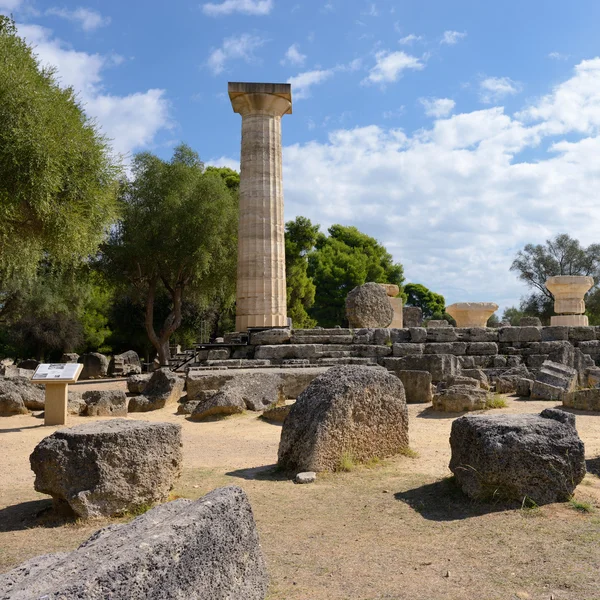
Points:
[(56, 377)]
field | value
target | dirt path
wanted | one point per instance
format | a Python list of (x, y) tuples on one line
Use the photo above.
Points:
[(399, 530)]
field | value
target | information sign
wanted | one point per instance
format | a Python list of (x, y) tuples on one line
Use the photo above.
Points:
[(59, 372)]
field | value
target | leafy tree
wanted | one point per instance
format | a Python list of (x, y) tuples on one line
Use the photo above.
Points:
[(340, 262), (177, 235), (58, 178), (513, 315), (229, 176), (429, 302), (561, 255), (300, 239)]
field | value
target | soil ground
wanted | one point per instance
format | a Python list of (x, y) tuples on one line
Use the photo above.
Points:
[(396, 530)]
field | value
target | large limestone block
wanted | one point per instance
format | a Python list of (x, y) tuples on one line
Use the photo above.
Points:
[(11, 400), (460, 398), (368, 306), (206, 549), (583, 399), (440, 366), (358, 411), (472, 314), (94, 365), (164, 388), (108, 467), (270, 336), (252, 391), (553, 381), (513, 457), (136, 384), (412, 316), (105, 403), (417, 386), (125, 364)]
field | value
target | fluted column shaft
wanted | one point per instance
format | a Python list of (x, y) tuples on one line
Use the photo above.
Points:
[(261, 289)]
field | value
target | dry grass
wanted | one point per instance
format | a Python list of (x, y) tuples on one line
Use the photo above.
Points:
[(393, 531)]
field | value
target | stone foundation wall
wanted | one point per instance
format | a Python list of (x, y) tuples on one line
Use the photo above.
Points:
[(442, 351)]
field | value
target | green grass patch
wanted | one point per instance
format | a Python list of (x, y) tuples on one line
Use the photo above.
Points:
[(496, 401), (582, 507), (347, 462)]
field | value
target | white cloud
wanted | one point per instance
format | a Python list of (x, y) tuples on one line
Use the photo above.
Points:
[(492, 89), (234, 48), (8, 6), (437, 107), (558, 56), (390, 65), (302, 83), (392, 114), (88, 19), (224, 161), (293, 56), (455, 202), (452, 37), (131, 121), (409, 39), (247, 7)]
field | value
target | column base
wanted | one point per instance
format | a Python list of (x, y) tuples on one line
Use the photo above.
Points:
[(242, 323), (569, 321)]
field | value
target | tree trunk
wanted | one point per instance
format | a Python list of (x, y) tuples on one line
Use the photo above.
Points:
[(172, 322)]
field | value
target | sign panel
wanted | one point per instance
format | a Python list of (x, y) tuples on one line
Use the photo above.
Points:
[(57, 372)]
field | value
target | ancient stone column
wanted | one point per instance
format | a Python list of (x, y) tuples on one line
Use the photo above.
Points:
[(261, 293), (569, 292)]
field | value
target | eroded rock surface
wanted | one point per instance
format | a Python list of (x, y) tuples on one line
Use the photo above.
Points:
[(355, 411), (206, 549), (512, 457), (108, 467)]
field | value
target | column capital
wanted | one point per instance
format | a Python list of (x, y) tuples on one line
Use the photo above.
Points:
[(273, 99)]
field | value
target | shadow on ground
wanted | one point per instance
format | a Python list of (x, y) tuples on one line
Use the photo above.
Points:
[(264, 473), (592, 465), (36, 513), (429, 413), (444, 501)]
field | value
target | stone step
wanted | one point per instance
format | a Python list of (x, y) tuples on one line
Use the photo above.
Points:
[(346, 361)]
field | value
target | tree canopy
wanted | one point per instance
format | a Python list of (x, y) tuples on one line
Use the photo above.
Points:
[(177, 234), (341, 261), (429, 302), (561, 255), (300, 239), (58, 179)]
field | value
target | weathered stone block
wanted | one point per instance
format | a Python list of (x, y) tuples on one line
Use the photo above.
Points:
[(583, 399), (557, 333), (164, 388), (127, 363), (108, 467), (441, 334), (288, 351), (523, 387), (105, 403), (407, 349), (206, 549), (399, 336), (439, 365), (356, 410), (513, 457), (456, 348), (270, 336), (219, 353), (500, 361), (412, 316), (535, 361), (368, 306), (418, 335), (530, 322), (460, 398), (479, 375), (482, 348), (417, 386), (582, 334), (94, 365)]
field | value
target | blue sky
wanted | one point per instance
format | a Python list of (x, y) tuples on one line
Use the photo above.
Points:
[(452, 131)]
